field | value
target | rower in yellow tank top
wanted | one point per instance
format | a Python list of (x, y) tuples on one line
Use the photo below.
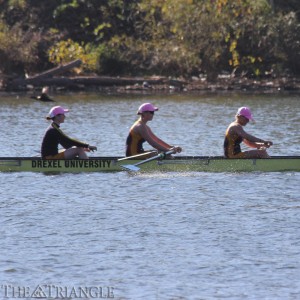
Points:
[(232, 145), (140, 132), (235, 135), (134, 142)]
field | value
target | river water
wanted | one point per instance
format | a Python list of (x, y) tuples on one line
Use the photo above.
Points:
[(150, 236)]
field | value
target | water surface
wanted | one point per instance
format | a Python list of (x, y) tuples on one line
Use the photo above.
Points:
[(158, 235)]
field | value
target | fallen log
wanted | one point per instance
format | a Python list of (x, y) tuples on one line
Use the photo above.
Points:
[(97, 81), (55, 71), (116, 81), (38, 79)]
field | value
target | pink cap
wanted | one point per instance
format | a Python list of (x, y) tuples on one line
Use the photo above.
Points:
[(146, 107), (56, 110), (245, 112)]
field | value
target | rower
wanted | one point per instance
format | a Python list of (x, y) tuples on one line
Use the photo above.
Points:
[(235, 135), (140, 132), (54, 136)]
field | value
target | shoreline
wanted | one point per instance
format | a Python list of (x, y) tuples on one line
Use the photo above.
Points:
[(154, 84)]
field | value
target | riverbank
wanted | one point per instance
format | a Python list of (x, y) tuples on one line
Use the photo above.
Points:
[(223, 83), (154, 84)]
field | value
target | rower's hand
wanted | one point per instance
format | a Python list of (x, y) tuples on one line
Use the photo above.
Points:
[(92, 148), (176, 149)]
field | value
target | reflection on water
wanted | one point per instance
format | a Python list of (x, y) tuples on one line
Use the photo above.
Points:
[(152, 236)]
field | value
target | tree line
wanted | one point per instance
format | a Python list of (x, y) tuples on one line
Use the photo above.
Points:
[(151, 37)]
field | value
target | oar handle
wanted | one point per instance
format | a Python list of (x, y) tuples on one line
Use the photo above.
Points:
[(164, 154)]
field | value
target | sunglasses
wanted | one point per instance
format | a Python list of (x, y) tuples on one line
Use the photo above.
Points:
[(246, 118), (150, 112)]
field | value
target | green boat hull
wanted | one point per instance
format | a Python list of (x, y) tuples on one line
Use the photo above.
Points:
[(175, 164)]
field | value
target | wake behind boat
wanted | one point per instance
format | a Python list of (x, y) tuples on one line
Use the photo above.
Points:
[(169, 164)]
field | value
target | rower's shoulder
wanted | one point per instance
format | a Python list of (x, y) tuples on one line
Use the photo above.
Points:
[(139, 125), (235, 124), (234, 127)]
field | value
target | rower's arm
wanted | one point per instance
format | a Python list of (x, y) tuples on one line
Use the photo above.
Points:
[(68, 142), (246, 136), (252, 144), (251, 140), (152, 139), (158, 140), (265, 144)]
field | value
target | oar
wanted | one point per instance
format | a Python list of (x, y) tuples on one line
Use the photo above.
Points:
[(135, 167), (137, 155)]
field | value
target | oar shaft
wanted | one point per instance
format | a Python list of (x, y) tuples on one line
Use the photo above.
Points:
[(161, 155), (135, 167), (137, 155)]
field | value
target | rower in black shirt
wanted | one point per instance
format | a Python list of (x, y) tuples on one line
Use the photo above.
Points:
[(54, 137)]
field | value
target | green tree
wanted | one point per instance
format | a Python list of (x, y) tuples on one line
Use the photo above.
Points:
[(169, 37)]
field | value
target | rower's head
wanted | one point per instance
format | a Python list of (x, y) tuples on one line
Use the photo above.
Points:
[(56, 111), (146, 107), (245, 113)]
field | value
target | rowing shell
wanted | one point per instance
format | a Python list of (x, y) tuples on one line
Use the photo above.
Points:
[(174, 164)]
